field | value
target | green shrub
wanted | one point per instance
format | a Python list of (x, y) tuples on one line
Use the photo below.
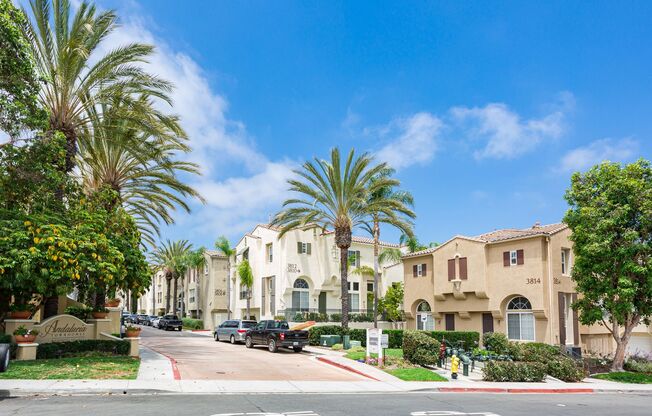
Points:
[(514, 371), (80, 312), (557, 364), (315, 332), (192, 323), (496, 342), (636, 365), (395, 337), (539, 352), (337, 347), (420, 349), (514, 350), (358, 335), (5, 339), (565, 369), (71, 348), (336, 317), (357, 349)]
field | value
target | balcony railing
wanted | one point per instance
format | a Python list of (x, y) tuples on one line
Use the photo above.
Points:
[(324, 315)]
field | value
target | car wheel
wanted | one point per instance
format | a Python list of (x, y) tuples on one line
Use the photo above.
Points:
[(217, 337), (4, 357), (271, 345), (249, 343), (232, 339), (297, 349)]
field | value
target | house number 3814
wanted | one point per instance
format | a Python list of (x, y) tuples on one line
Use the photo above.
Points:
[(532, 280)]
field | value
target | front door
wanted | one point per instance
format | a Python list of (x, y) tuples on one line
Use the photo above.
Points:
[(487, 323), (322, 302)]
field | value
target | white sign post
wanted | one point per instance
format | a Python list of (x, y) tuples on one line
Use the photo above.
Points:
[(375, 343)]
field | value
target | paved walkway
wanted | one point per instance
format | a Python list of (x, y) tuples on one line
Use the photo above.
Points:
[(154, 366)]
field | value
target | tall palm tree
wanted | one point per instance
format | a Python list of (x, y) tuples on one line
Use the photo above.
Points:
[(172, 259), (413, 244), (222, 244), (246, 280), (196, 263), (334, 195), (396, 212), (76, 78), (390, 255), (139, 160)]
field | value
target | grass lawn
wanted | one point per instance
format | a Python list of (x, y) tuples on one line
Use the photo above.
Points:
[(389, 352), (416, 374), (91, 367), (626, 377)]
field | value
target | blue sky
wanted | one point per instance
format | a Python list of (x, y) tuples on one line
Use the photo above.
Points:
[(485, 108)]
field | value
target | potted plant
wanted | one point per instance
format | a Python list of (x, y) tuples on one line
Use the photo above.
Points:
[(132, 331), (24, 335), (100, 312), (21, 311), (113, 303)]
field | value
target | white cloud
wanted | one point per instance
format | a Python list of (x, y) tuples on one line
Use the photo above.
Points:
[(413, 140), (220, 146), (582, 158), (504, 133)]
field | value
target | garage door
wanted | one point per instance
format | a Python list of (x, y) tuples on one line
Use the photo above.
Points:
[(639, 343)]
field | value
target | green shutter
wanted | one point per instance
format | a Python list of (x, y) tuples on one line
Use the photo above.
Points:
[(299, 247), (308, 249)]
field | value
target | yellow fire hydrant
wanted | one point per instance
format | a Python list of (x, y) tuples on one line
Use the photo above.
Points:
[(455, 364)]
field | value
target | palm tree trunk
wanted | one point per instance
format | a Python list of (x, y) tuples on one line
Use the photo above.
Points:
[(344, 271), (174, 300), (228, 289), (167, 294), (376, 267)]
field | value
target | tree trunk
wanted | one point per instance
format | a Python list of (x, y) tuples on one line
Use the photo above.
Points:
[(228, 289), (167, 293), (175, 298), (621, 343), (343, 241), (376, 267), (248, 304)]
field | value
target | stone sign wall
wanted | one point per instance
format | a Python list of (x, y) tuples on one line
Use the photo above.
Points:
[(63, 328)]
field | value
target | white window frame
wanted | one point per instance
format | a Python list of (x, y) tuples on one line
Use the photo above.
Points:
[(565, 262), (520, 327), (270, 252), (513, 257), (419, 270)]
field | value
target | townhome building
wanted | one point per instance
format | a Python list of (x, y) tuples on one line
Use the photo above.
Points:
[(514, 281), (298, 274)]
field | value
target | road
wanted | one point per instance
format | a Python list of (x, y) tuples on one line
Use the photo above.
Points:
[(199, 357), (334, 405)]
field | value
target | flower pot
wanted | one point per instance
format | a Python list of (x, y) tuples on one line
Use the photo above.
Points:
[(113, 303), (20, 314), (100, 315), (134, 333), (25, 339)]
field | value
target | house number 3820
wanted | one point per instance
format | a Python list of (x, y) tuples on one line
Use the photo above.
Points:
[(532, 280)]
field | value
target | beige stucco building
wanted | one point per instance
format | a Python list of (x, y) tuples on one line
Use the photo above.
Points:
[(514, 281)]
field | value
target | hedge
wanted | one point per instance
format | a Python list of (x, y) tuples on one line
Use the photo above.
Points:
[(395, 335), (420, 349), (192, 323), (496, 342), (514, 371), (556, 363), (71, 348)]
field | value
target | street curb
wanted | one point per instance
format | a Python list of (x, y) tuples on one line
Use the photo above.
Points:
[(345, 367), (515, 390), (175, 370)]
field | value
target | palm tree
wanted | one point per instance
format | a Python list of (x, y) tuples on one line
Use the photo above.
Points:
[(222, 244), (65, 50), (172, 259), (75, 78), (413, 245), (334, 196), (139, 161), (196, 261), (395, 212), (246, 280), (390, 255)]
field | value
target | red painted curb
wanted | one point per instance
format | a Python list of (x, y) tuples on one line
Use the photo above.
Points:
[(345, 367), (506, 390), (173, 362)]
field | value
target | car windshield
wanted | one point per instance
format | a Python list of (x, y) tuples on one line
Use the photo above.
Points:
[(248, 324), (172, 317), (279, 325)]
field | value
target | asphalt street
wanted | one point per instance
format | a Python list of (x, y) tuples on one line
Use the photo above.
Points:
[(409, 404)]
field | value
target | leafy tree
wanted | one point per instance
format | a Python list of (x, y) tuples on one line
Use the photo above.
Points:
[(393, 209), (222, 244), (392, 303), (610, 217), (172, 259), (337, 196), (246, 280), (18, 82)]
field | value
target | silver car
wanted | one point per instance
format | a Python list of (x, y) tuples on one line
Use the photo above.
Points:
[(233, 330)]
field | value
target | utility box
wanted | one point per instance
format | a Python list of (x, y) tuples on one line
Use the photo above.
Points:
[(346, 341), (329, 340), (356, 344)]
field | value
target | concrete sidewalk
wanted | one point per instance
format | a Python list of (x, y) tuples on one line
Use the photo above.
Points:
[(155, 366), (52, 387)]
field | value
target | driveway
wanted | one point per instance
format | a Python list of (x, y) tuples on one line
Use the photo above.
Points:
[(200, 357)]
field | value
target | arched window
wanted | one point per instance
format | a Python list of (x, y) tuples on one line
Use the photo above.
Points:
[(520, 319), (424, 317), (300, 295)]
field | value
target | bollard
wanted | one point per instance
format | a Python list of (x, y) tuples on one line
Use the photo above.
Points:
[(465, 364)]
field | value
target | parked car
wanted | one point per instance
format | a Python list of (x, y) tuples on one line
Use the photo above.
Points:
[(170, 322), (150, 320), (233, 330), (276, 334), (156, 321), (141, 319), (130, 319)]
